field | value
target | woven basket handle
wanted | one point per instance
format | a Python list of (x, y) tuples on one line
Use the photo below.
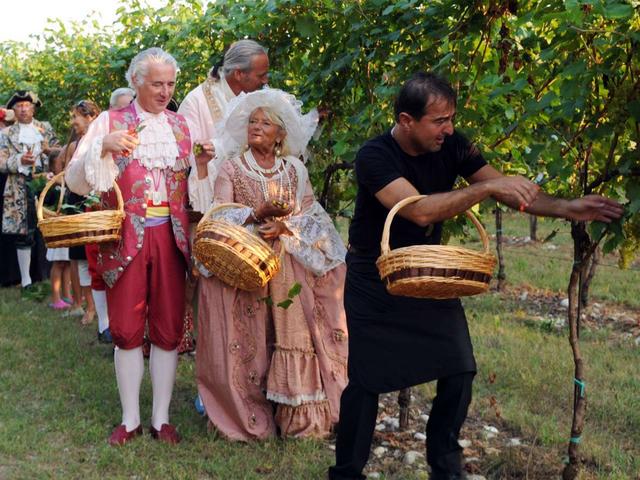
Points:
[(220, 206), (384, 243), (54, 179)]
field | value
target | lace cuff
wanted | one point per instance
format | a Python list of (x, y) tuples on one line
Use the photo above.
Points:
[(234, 216), (315, 242), (200, 192), (100, 172)]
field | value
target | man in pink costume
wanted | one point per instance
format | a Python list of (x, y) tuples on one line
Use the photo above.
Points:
[(145, 149)]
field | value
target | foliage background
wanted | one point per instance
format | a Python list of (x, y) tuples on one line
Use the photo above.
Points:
[(544, 87)]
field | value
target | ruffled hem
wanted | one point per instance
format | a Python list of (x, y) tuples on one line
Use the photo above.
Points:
[(298, 400), (306, 420), (100, 171), (294, 377)]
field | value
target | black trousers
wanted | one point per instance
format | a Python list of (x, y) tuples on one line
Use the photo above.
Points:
[(358, 412)]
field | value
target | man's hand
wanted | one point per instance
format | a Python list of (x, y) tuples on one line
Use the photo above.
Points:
[(271, 230), (27, 158), (203, 152), (515, 190), (593, 207), (119, 141)]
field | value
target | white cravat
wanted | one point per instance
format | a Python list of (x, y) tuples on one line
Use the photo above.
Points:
[(29, 136), (157, 147)]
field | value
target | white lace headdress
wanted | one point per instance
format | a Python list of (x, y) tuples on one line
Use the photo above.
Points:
[(299, 127)]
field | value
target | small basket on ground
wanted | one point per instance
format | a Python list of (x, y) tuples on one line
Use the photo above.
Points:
[(232, 253), (434, 271), (82, 228)]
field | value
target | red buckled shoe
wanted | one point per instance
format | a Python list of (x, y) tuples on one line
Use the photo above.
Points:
[(120, 436), (166, 434)]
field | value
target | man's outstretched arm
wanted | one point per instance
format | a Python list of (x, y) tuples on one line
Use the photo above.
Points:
[(587, 208)]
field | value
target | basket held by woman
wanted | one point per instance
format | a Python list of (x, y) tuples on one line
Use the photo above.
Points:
[(434, 271), (232, 253), (81, 228)]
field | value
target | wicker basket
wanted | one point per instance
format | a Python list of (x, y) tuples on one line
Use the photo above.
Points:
[(47, 212), (434, 271), (79, 229), (232, 253)]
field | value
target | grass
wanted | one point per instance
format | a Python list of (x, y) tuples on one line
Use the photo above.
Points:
[(58, 397), (59, 402), (548, 265), (533, 386)]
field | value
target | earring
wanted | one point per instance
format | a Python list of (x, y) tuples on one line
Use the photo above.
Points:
[(278, 150)]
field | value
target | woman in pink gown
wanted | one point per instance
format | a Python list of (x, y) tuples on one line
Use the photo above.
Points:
[(262, 369)]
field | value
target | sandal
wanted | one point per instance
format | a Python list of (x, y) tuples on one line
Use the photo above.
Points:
[(59, 305), (75, 312)]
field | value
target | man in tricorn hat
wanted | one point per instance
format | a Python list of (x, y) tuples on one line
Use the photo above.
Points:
[(24, 151)]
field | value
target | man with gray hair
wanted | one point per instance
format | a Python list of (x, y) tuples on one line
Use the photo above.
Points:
[(143, 148), (121, 97), (245, 68)]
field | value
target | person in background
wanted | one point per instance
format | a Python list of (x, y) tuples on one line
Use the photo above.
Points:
[(9, 273), (24, 151), (245, 68), (121, 97), (82, 114)]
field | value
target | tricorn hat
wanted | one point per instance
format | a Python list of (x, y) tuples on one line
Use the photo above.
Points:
[(24, 95)]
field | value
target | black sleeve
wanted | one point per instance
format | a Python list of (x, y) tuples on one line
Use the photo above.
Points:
[(375, 167), (468, 157)]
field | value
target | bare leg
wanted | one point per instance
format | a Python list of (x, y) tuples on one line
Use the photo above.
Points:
[(56, 281), (75, 285)]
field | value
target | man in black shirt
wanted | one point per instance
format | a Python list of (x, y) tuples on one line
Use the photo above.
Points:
[(396, 342)]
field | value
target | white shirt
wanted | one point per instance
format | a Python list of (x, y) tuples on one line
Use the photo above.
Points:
[(30, 138), (202, 126)]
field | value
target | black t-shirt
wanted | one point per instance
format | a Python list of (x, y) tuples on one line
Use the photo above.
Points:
[(379, 162)]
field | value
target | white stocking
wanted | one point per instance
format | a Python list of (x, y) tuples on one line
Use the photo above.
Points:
[(100, 300), (24, 262), (162, 365), (129, 370)]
